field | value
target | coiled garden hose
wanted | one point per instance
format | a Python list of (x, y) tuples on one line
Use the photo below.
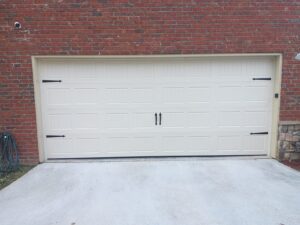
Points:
[(9, 157)]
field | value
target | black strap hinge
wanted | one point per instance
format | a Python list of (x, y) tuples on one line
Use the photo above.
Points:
[(51, 81), (55, 136), (259, 133), (262, 78)]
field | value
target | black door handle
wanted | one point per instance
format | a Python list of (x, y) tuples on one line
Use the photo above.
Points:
[(155, 115), (160, 118)]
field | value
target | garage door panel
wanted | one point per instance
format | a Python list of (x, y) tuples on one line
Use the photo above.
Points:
[(242, 143), (259, 83), (198, 119), (85, 120), (227, 69), (70, 109), (130, 146), (234, 106), (85, 96), (198, 94), (143, 120), (58, 121), (193, 67), (261, 93), (259, 106), (57, 146), (229, 93), (173, 144), (205, 79), (173, 119), (116, 95), (261, 66), (119, 78), (194, 107), (230, 143), (196, 144), (256, 119), (59, 96), (173, 95), (256, 143), (144, 144), (88, 145), (230, 118), (119, 120), (143, 95), (53, 70), (107, 108), (171, 70), (118, 144), (86, 83)]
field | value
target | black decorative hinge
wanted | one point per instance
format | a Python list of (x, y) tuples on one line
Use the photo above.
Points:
[(259, 133), (51, 81), (55, 136), (262, 78)]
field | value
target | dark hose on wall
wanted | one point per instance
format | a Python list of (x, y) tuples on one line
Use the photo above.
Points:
[(9, 157)]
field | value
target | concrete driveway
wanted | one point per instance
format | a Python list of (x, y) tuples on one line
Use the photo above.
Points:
[(155, 192)]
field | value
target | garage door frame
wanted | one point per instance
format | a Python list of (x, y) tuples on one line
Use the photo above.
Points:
[(275, 104)]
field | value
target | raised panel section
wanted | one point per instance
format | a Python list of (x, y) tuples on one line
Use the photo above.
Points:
[(256, 119), (59, 147), (256, 94), (59, 122), (117, 120), (142, 95), (87, 145), (229, 94), (174, 144), (116, 95), (255, 143), (230, 119), (85, 121), (59, 96), (198, 94), (173, 95), (143, 145), (198, 119), (85, 96), (230, 143), (173, 119), (143, 120), (119, 145), (199, 143)]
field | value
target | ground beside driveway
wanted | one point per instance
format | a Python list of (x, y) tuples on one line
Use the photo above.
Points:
[(9, 177), (295, 164), (155, 192)]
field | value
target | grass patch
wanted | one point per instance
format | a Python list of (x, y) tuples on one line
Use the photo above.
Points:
[(8, 178)]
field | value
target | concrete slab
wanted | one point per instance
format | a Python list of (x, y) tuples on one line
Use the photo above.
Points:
[(155, 192)]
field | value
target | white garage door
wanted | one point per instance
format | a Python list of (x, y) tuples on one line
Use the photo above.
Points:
[(156, 107)]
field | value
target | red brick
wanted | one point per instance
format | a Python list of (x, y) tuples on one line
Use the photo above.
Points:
[(137, 27)]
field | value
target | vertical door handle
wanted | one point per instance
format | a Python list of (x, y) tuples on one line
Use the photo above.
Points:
[(155, 115), (160, 118)]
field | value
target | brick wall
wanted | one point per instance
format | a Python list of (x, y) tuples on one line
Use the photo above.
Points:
[(105, 27)]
